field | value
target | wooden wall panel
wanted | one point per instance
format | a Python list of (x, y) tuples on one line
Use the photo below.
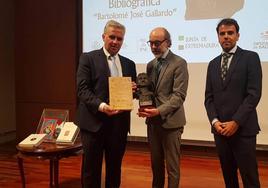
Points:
[(46, 51), (7, 82)]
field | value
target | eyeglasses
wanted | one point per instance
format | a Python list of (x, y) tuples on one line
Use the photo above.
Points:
[(156, 43)]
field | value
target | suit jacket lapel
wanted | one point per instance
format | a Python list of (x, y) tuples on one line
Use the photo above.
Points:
[(104, 63), (218, 69), (163, 69), (162, 72), (123, 66), (153, 73)]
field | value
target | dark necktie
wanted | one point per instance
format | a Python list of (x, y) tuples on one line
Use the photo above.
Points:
[(159, 65), (224, 66)]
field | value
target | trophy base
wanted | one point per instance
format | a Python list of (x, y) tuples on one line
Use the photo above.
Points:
[(141, 109)]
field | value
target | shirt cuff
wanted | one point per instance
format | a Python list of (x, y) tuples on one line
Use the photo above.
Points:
[(101, 107), (214, 121)]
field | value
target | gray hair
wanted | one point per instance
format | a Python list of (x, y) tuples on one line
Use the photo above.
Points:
[(167, 36), (115, 24)]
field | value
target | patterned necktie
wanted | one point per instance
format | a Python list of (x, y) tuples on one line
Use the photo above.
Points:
[(224, 66), (114, 70), (159, 65)]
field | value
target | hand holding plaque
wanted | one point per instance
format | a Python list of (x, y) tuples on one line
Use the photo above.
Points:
[(144, 93)]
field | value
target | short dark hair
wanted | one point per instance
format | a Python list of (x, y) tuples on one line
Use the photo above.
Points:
[(228, 21)]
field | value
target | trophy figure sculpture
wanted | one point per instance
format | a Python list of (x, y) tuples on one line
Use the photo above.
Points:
[(145, 95)]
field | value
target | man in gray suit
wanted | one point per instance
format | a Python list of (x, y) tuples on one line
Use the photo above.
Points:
[(169, 77)]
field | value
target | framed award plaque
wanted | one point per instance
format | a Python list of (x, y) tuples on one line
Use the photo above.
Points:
[(120, 93)]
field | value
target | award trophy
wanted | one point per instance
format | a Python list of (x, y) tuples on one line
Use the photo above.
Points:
[(145, 95)]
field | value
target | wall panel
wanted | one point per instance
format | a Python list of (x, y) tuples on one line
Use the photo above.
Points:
[(46, 38)]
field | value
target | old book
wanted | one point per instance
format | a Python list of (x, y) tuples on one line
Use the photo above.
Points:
[(33, 140), (120, 93), (68, 133)]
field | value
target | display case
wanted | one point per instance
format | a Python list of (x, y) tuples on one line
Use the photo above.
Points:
[(51, 122)]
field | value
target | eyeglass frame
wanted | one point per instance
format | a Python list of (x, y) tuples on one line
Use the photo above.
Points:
[(157, 43)]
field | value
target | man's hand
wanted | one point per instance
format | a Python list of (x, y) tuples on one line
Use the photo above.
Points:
[(109, 110), (226, 128), (218, 126), (229, 128), (148, 112), (134, 87)]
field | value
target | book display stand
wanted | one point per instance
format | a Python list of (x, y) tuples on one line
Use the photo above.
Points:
[(51, 122)]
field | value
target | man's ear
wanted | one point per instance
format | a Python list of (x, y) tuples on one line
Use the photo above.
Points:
[(238, 35), (169, 43)]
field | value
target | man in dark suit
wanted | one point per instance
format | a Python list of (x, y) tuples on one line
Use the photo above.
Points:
[(233, 90), (169, 77), (103, 129)]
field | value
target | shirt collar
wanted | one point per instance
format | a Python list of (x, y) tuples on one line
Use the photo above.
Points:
[(232, 51), (165, 54), (107, 53)]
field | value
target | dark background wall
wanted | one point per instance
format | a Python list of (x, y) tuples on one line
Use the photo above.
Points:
[(46, 51), (7, 75)]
